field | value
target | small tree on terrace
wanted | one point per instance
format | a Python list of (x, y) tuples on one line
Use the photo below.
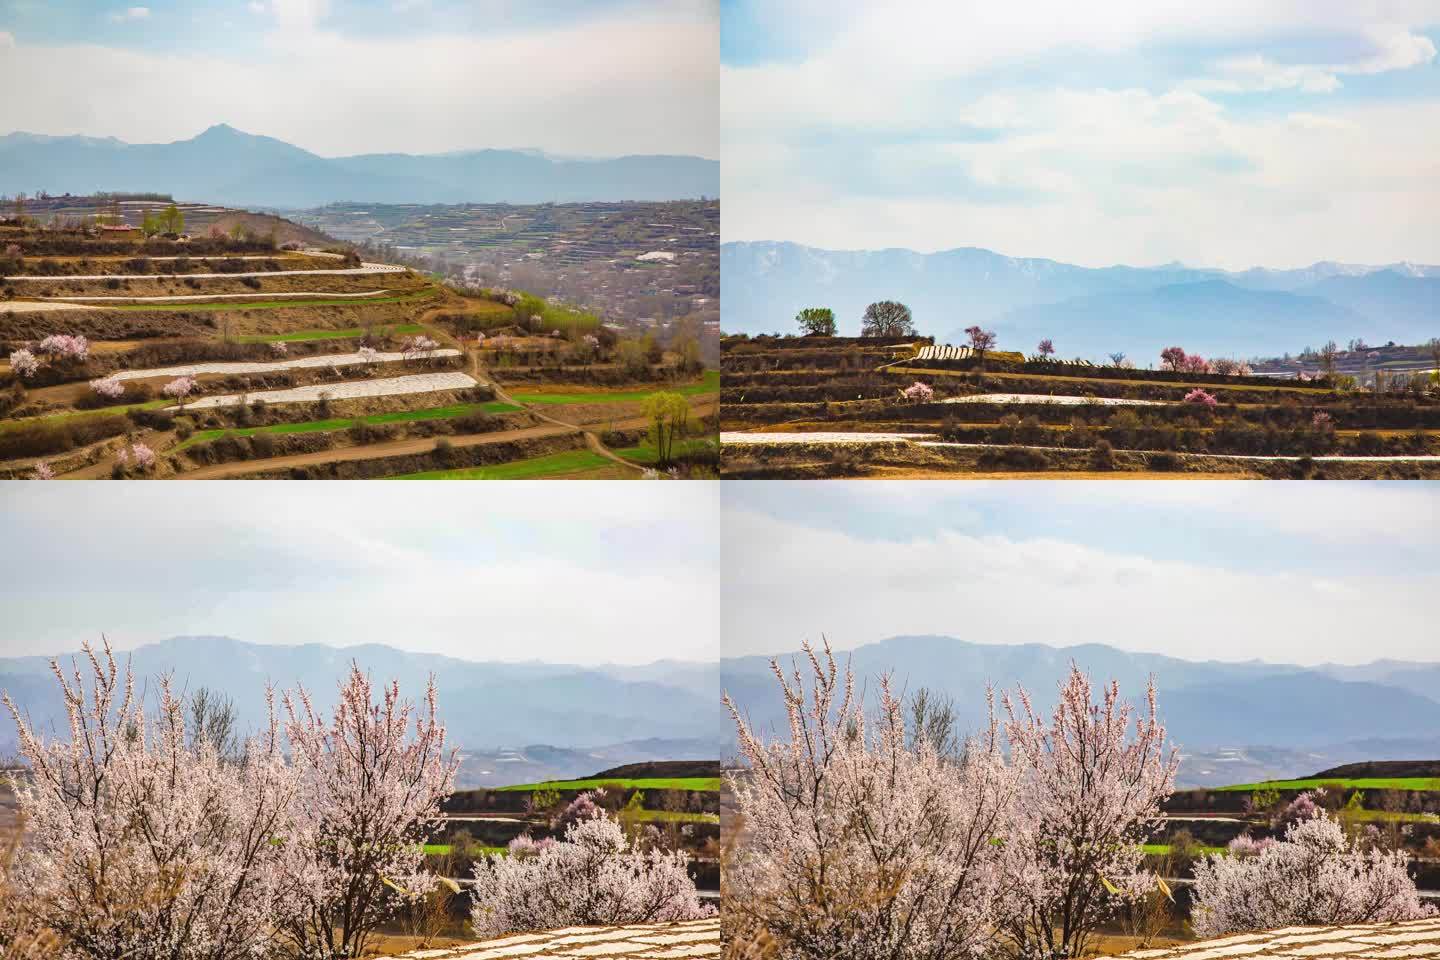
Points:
[(817, 321), (1090, 795), (140, 844), (1313, 876), (172, 220), (860, 843), (669, 416), (887, 318), (980, 340), (1173, 358), (1328, 355), (1046, 348), (179, 388), (371, 779)]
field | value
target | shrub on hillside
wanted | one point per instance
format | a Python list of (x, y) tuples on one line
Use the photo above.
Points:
[(41, 439), (1313, 876), (595, 876)]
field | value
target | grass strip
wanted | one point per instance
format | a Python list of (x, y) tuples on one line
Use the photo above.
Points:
[(202, 307), (569, 461), (708, 784), (304, 335), (80, 414), (1358, 783), (344, 423), (708, 384)]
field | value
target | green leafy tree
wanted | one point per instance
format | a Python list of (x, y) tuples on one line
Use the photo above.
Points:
[(887, 318), (172, 220), (669, 416), (817, 321), (150, 224)]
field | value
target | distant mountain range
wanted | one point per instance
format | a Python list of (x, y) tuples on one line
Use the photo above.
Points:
[(515, 722), (1087, 312), (1235, 722), (226, 166)]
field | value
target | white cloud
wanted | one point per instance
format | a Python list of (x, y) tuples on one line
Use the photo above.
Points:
[(527, 571), (299, 14), (1391, 48), (630, 84), (784, 583), (1091, 174), (131, 13), (257, 6)]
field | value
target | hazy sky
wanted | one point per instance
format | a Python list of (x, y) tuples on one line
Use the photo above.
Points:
[(1282, 572), (564, 573), (1230, 133), (582, 77)]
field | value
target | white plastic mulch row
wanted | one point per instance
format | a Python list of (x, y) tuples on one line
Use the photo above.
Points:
[(394, 386), (363, 268), (295, 295), (1059, 401), (820, 437), (271, 366)]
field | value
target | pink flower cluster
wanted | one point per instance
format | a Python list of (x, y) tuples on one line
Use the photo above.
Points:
[(110, 388), (62, 346), (24, 363), (595, 876), (866, 842), (918, 392), (1201, 397), (1175, 358), (179, 388), (1313, 876), (133, 826)]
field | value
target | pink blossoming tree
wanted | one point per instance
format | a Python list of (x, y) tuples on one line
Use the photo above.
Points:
[(179, 388), (370, 779), (62, 346), (24, 363), (858, 843), (141, 844), (980, 340), (1202, 398), (110, 388), (1313, 876), (1046, 348), (594, 876), (1091, 785), (918, 392), (1173, 358)]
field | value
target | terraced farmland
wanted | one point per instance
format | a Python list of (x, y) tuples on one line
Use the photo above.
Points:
[(816, 407), (227, 356)]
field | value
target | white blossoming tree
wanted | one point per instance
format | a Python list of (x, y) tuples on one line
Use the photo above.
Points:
[(140, 844), (1090, 795), (858, 844), (1313, 876), (594, 876), (370, 780)]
